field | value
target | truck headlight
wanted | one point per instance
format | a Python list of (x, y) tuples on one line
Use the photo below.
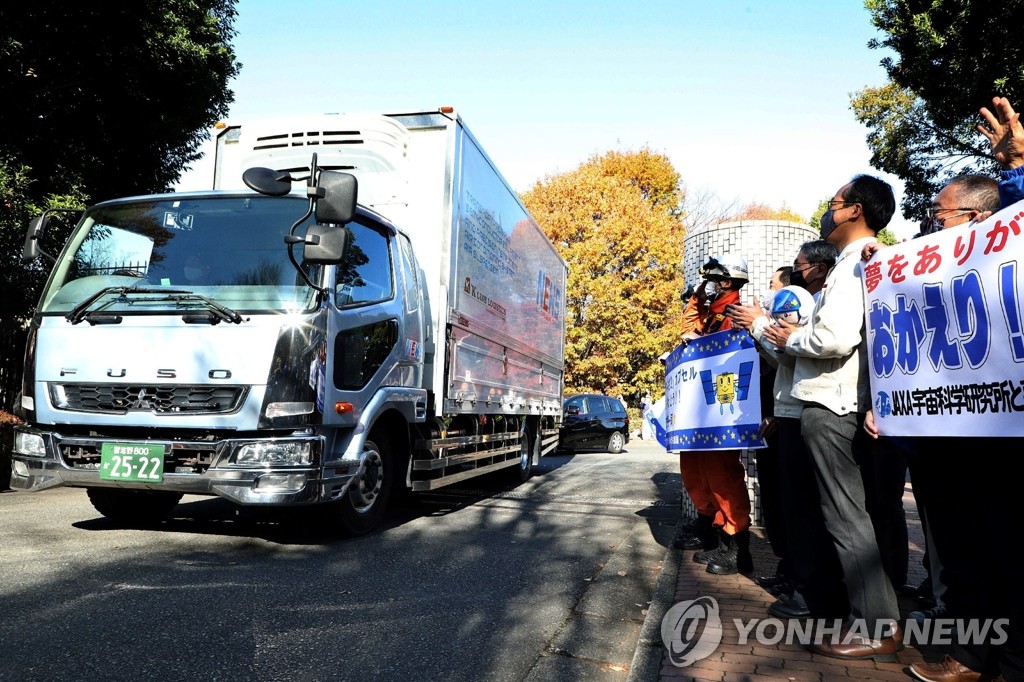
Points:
[(30, 444), (293, 453)]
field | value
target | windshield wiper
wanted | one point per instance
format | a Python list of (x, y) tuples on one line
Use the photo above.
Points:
[(219, 312), (78, 313)]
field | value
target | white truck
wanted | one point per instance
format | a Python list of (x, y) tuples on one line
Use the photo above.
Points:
[(286, 346)]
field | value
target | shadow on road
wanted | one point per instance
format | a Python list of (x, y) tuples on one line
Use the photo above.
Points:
[(314, 525)]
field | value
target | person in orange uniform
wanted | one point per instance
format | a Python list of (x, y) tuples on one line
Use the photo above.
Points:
[(714, 479)]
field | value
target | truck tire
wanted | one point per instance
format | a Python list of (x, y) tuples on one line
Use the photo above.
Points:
[(362, 509), (133, 506), (527, 453), (616, 442)]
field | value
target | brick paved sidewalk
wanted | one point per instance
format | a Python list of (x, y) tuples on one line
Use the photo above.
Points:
[(740, 597)]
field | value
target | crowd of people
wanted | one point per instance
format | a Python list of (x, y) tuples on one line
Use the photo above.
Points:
[(831, 485)]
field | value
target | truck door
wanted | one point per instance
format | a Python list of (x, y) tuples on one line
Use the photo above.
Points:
[(366, 321)]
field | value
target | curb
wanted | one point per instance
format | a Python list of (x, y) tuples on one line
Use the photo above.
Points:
[(646, 663)]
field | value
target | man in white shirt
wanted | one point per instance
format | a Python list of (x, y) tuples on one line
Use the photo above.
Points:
[(830, 377), (812, 566)]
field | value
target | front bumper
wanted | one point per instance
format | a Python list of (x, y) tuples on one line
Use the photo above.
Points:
[(192, 468)]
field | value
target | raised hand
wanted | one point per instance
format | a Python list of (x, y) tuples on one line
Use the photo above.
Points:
[(1004, 132)]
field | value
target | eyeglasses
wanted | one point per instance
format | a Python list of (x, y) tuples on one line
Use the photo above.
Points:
[(842, 203), (932, 211), (803, 267)]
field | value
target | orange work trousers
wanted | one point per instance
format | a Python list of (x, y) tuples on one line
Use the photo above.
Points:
[(714, 481)]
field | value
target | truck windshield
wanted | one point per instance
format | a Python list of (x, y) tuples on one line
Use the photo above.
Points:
[(228, 250)]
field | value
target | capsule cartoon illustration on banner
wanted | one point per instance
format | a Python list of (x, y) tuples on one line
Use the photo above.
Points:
[(727, 388)]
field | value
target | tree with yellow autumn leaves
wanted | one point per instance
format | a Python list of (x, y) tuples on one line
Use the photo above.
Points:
[(617, 222)]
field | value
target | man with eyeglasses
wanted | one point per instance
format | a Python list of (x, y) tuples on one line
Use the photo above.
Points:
[(830, 377), (813, 586), (811, 266), (966, 199), (964, 504)]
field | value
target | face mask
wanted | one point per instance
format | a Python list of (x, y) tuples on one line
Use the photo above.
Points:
[(711, 289), (829, 224), (930, 225), (796, 278), (766, 300)]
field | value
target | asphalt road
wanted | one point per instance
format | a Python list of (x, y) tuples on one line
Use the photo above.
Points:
[(547, 580)]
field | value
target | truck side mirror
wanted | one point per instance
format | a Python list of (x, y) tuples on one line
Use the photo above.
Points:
[(325, 244), (36, 230), (267, 181), (337, 206)]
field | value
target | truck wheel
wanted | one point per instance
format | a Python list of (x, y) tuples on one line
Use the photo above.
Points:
[(133, 506), (522, 473), (616, 442), (362, 508)]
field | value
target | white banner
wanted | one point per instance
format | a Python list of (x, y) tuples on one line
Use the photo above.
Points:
[(945, 331), (712, 394), (654, 417)]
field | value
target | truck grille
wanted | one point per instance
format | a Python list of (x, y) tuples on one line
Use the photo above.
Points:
[(164, 399), (181, 457)]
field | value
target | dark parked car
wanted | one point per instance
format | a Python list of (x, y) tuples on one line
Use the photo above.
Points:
[(593, 422)]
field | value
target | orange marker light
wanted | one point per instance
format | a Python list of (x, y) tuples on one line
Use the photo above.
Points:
[(343, 408)]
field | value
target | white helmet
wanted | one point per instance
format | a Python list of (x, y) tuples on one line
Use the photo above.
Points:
[(729, 266)]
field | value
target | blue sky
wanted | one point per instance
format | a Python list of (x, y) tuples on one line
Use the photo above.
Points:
[(749, 99)]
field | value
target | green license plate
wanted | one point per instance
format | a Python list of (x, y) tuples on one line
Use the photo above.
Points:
[(135, 462)]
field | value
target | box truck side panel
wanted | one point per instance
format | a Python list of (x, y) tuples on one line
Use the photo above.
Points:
[(507, 295)]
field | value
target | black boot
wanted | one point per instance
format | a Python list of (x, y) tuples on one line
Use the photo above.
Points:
[(687, 538), (706, 531), (717, 538), (735, 558), (687, 541), (701, 535)]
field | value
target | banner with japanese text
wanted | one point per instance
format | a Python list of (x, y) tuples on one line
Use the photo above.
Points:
[(712, 394), (945, 331)]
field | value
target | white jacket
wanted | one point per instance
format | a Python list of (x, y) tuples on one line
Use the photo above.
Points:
[(831, 350)]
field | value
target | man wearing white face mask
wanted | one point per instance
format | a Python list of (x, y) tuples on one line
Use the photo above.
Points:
[(714, 479), (984, 486), (966, 199), (951, 530)]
